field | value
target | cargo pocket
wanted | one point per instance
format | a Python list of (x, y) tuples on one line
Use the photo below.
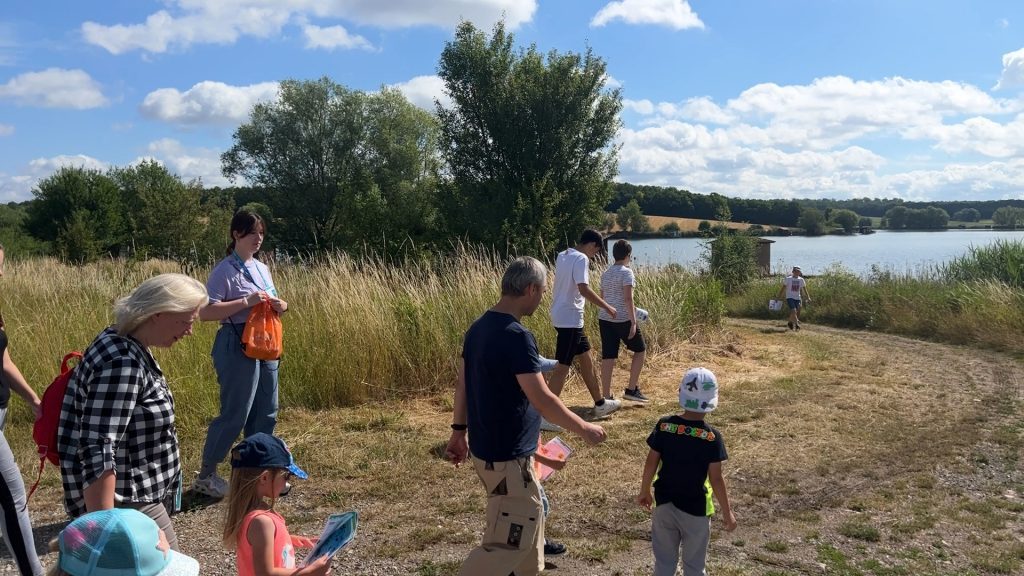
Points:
[(516, 525)]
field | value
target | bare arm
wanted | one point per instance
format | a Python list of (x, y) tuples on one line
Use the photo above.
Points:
[(650, 467), (722, 494), (551, 407), (458, 449), (221, 310), (261, 538), (99, 495), (594, 299), (18, 384)]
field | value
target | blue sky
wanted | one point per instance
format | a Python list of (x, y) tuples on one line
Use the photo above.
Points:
[(919, 99)]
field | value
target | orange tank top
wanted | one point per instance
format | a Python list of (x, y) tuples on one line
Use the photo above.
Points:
[(284, 552)]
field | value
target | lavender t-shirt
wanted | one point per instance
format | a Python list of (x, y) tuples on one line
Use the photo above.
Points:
[(228, 282)]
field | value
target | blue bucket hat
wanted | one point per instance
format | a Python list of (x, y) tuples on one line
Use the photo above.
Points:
[(261, 450)]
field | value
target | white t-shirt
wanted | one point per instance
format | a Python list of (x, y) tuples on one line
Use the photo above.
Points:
[(613, 281), (571, 269), (793, 286)]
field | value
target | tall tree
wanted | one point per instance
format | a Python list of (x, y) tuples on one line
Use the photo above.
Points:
[(845, 219), (304, 149), (80, 211), (166, 216), (812, 221), (527, 141)]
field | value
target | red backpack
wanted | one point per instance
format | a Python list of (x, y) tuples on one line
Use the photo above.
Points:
[(44, 431)]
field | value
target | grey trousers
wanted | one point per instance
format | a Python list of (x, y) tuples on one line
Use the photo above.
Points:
[(14, 519), (670, 528), (158, 512)]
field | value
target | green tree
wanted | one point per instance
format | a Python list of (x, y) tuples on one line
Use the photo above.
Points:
[(732, 260), (670, 228), (864, 222), (896, 217), (340, 166), (167, 217), (1008, 216), (528, 140), (966, 215), (812, 221), (80, 211), (631, 218), (845, 219), (704, 227)]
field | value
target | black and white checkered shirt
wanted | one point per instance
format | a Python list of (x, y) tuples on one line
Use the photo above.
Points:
[(118, 413)]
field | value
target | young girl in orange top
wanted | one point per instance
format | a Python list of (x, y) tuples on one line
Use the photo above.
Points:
[(260, 467)]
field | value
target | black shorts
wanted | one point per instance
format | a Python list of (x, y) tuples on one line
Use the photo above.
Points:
[(612, 333), (571, 343)]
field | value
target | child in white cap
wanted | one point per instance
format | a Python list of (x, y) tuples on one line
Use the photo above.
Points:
[(690, 454)]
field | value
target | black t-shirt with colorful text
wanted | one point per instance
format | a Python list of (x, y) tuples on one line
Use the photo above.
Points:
[(687, 448)]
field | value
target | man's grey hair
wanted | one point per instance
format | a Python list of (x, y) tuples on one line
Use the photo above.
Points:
[(521, 273)]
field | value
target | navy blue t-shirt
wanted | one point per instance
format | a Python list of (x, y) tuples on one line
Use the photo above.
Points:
[(502, 423)]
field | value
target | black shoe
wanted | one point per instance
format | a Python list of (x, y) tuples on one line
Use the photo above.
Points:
[(790, 324), (553, 548), (797, 325), (635, 395)]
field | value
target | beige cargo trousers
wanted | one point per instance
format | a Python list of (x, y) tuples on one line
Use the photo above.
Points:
[(513, 542)]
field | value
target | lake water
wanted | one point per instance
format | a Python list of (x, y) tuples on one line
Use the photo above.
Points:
[(894, 251)]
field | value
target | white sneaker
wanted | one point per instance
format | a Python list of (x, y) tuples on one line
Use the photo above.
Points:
[(213, 486), (606, 408), (548, 426)]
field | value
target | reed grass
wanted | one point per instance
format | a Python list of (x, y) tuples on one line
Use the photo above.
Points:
[(358, 329)]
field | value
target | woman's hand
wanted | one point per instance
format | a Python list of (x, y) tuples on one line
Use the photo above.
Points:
[(278, 305)]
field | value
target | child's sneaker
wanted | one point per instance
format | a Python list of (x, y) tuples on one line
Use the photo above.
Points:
[(635, 395), (606, 408), (213, 486), (790, 324)]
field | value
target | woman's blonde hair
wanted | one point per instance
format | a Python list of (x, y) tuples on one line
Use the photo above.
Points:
[(243, 497), (164, 293)]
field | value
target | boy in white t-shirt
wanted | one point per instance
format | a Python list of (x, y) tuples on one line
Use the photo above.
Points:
[(793, 287), (572, 289)]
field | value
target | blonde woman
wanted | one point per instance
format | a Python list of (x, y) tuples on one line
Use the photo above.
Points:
[(117, 441)]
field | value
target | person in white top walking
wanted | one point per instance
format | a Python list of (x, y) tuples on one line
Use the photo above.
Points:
[(572, 289), (617, 285), (793, 287)]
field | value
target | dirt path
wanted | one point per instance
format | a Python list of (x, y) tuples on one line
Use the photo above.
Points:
[(850, 453)]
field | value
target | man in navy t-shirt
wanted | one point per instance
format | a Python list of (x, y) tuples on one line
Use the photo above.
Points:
[(500, 397)]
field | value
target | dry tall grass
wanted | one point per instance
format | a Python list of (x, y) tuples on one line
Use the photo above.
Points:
[(357, 329)]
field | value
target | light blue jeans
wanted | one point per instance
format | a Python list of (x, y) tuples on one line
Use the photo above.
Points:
[(248, 395), (14, 519)]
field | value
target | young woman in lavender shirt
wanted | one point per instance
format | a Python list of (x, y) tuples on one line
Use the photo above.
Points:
[(248, 387)]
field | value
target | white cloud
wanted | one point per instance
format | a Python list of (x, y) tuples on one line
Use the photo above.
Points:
[(1004, 23), (675, 14), (834, 137), (1013, 70), (41, 167), (188, 22), (54, 88), (189, 163), (6, 129), (333, 37), (207, 102), (423, 90)]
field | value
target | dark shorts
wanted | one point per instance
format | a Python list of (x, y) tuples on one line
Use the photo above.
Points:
[(613, 333), (571, 343), (793, 303)]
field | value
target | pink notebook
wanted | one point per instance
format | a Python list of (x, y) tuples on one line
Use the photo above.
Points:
[(555, 449)]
